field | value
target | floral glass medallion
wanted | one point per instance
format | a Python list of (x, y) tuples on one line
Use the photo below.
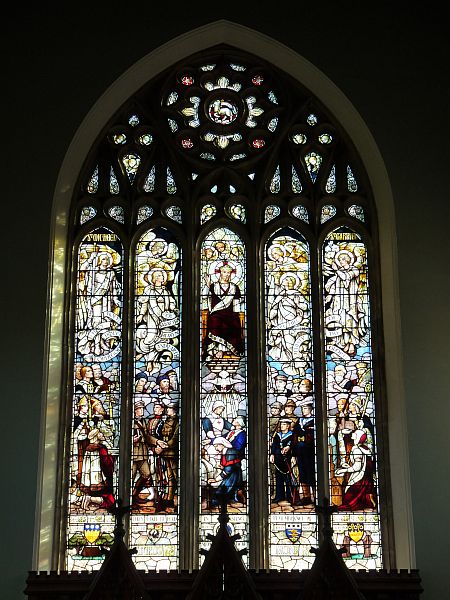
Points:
[(328, 211), (119, 138), (258, 143), (272, 211), (257, 80), (174, 213), (117, 213), (311, 120), (87, 213), (187, 80), (357, 212), (300, 212), (144, 213), (133, 120)]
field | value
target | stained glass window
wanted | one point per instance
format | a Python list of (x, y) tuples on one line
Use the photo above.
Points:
[(96, 399), (290, 401), (223, 376), (254, 381), (156, 401), (350, 399)]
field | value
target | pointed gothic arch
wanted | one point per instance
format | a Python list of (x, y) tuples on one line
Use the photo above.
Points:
[(401, 547)]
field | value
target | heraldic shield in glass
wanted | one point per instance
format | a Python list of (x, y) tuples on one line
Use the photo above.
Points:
[(156, 401), (94, 443), (223, 377), (350, 399), (290, 401)]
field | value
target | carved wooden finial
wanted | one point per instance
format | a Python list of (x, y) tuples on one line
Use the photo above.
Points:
[(119, 510), (223, 517), (326, 509)]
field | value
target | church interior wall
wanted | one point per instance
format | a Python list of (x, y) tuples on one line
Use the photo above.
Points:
[(390, 64)]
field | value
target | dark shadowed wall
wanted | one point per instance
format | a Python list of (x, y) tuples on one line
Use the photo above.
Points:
[(391, 62)]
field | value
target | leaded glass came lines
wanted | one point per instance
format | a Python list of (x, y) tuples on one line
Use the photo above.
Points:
[(290, 402), (95, 404), (223, 400), (155, 436)]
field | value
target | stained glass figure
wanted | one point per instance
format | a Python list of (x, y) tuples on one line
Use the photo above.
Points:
[(119, 138), (94, 445), (171, 186), (223, 401), (275, 184), (208, 212), (174, 213), (87, 213), (328, 211), (133, 120), (313, 162), (300, 212), (330, 186), (113, 183), (311, 120), (350, 400), (156, 398), (271, 212), (351, 181), (295, 184), (325, 138), (149, 183), (117, 213), (357, 212), (92, 186), (290, 401), (131, 163), (145, 139), (144, 213), (237, 211)]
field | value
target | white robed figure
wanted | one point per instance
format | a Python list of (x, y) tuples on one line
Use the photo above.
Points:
[(99, 304), (157, 316)]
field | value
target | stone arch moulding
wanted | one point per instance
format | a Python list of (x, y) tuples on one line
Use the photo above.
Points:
[(145, 69)]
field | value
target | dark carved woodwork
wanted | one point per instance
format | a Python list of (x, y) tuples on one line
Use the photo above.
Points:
[(223, 576)]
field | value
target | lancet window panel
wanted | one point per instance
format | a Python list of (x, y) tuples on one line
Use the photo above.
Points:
[(214, 163), (96, 401), (223, 380)]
